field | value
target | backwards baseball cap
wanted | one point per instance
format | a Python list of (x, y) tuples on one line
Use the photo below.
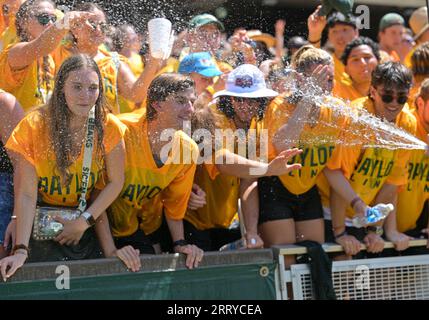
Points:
[(205, 19), (246, 81), (201, 63), (389, 20), (419, 22), (339, 18)]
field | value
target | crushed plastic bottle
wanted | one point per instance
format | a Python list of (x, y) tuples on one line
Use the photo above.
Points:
[(373, 215)]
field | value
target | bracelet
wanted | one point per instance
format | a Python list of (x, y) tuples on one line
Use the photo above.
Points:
[(180, 243), (344, 233), (314, 42), (20, 247), (13, 217), (354, 201)]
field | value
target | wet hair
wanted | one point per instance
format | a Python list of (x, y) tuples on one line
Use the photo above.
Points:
[(310, 57), (360, 41), (420, 60), (224, 105), (118, 37), (23, 14), (262, 52), (89, 7), (339, 18), (392, 75), (424, 91), (59, 115), (164, 86)]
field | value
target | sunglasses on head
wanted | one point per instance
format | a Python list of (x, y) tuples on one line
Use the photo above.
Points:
[(45, 18), (388, 98)]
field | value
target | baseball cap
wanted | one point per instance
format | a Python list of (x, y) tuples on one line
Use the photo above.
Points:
[(419, 22), (246, 81), (201, 63), (204, 19), (389, 20), (343, 6)]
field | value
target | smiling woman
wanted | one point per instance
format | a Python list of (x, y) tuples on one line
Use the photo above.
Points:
[(47, 146)]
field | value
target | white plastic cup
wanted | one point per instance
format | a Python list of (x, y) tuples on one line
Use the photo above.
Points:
[(159, 37)]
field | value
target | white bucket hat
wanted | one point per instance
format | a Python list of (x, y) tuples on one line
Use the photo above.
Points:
[(246, 81)]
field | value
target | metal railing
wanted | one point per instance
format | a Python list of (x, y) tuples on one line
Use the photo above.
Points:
[(392, 278)]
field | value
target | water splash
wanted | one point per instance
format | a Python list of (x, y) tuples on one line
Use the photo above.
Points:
[(363, 129)]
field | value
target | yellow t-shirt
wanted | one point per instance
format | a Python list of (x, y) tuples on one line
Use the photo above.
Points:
[(407, 60), (344, 89), (136, 66), (8, 36), (314, 157), (222, 191), (414, 91), (339, 68), (31, 85), (2, 22), (412, 198), (31, 138), (368, 169), (148, 190)]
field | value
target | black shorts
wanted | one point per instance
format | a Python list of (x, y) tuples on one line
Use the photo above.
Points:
[(138, 240), (210, 239), (277, 203)]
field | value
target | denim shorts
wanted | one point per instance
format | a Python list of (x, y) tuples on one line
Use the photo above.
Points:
[(6, 202)]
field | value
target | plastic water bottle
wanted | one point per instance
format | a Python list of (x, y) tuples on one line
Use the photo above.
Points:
[(236, 245), (373, 215)]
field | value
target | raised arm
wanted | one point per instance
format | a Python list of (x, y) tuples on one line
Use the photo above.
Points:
[(25, 53), (136, 89)]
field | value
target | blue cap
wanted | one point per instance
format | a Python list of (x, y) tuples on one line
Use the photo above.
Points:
[(201, 63)]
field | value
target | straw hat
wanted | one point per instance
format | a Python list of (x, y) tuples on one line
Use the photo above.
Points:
[(257, 35), (419, 22)]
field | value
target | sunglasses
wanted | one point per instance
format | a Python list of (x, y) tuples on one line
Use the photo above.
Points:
[(45, 18), (388, 98), (249, 100), (104, 27)]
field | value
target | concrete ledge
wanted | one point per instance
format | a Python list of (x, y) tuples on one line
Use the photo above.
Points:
[(150, 263)]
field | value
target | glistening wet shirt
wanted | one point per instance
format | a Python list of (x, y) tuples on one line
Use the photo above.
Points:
[(31, 140), (149, 190)]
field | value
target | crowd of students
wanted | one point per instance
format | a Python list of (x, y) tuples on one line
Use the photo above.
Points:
[(57, 68)]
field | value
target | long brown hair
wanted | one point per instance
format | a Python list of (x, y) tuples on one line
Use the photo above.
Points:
[(60, 114)]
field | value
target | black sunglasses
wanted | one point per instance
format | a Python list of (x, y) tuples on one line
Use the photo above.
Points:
[(388, 98), (45, 18), (242, 99)]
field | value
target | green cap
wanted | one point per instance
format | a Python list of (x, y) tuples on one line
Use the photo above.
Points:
[(389, 20), (343, 6), (204, 19)]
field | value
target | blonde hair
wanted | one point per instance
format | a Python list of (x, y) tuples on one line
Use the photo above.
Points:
[(309, 57)]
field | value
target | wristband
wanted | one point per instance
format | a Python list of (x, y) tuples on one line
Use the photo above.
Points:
[(180, 243)]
